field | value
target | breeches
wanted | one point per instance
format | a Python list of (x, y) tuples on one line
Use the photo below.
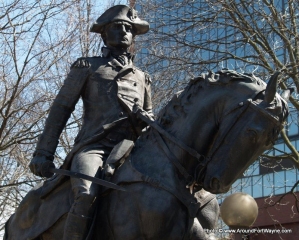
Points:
[(88, 161)]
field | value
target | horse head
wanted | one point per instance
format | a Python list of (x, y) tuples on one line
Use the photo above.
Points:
[(233, 118), (248, 128)]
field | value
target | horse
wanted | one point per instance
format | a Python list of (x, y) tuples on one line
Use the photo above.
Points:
[(204, 138)]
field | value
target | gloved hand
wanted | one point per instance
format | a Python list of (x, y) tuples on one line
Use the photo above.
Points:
[(39, 166)]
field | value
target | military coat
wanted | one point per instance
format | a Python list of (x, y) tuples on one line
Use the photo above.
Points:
[(109, 91)]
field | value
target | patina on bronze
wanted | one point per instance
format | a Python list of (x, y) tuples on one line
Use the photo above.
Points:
[(85, 177), (227, 117), (109, 86)]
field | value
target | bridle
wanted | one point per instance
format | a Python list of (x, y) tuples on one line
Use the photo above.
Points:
[(248, 105), (202, 160), (162, 132)]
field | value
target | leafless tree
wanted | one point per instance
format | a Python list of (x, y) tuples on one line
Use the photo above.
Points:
[(260, 37), (39, 40), (205, 35), (188, 37)]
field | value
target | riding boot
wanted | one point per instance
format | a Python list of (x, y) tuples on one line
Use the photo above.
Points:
[(76, 227)]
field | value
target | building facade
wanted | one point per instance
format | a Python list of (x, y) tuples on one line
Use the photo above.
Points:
[(190, 37)]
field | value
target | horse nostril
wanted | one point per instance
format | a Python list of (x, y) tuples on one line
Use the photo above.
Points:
[(215, 184)]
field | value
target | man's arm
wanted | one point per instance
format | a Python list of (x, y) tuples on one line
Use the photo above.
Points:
[(59, 114)]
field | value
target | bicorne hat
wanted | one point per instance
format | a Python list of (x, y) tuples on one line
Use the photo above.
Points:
[(120, 13)]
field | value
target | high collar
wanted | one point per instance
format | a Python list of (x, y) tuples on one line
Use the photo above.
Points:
[(107, 52)]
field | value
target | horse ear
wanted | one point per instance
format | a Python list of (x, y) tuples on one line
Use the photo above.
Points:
[(271, 88)]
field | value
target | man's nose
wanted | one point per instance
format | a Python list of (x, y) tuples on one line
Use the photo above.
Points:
[(123, 29)]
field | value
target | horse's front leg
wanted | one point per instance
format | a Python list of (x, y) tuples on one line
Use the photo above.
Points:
[(208, 216)]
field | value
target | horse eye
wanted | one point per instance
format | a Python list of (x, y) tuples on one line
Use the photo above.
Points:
[(252, 134)]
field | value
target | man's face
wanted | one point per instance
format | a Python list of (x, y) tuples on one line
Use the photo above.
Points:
[(119, 35)]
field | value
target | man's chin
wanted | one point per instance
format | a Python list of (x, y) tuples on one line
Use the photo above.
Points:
[(120, 45), (124, 44)]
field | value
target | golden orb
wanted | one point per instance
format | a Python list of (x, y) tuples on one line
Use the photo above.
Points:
[(239, 210)]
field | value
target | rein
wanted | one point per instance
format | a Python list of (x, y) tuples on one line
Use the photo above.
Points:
[(203, 165), (190, 180), (203, 161), (160, 131), (249, 104)]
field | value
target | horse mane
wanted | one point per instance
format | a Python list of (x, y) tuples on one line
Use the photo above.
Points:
[(225, 77), (176, 107)]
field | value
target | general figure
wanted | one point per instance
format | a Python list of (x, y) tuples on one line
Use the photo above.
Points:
[(110, 87)]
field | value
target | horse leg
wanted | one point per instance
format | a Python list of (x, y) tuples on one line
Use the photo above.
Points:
[(197, 232), (208, 217)]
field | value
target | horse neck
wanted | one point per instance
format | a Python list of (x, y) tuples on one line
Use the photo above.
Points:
[(192, 117), (149, 158), (193, 131)]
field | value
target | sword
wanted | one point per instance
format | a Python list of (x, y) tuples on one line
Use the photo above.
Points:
[(48, 168)]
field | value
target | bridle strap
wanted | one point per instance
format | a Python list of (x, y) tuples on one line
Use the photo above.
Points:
[(160, 131), (244, 107), (202, 164), (143, 116), (174, 160)]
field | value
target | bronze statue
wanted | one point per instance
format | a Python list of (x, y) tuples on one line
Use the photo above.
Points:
[(205, 138), (109, 86)]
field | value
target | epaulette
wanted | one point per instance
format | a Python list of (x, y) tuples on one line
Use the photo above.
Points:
[(148, 79), (81, 63)]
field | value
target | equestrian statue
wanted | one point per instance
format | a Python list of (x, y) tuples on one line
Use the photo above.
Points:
[(131, 175)]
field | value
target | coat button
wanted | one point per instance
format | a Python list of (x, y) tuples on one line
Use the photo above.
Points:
[(120, 114), (135, 84), (135, 99)]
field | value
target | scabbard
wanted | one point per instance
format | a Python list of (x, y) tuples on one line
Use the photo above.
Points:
[(86, 177)]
